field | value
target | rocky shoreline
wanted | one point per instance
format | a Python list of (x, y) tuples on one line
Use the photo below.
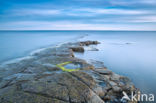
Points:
[(38, 79)]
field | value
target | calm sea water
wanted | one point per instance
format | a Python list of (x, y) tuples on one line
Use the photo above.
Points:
[(15, 44), (131, 54)]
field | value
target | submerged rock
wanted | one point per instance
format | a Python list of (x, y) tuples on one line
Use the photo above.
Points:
[(91, 48), (39, 80)]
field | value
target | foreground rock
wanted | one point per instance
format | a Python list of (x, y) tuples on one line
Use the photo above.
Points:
[(38, 79)]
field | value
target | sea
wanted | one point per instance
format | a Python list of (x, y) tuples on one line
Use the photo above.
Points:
[(128, 53)]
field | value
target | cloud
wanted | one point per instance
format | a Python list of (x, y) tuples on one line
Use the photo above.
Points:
[(148, 1), (78, 14), (112, 11), (132, 2), (40, 12), (124, 19), (145, 19)]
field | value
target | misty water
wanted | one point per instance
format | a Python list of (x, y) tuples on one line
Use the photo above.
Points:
[(132, 54), (15, 44)]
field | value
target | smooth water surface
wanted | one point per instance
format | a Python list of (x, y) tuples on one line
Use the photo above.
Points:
[(15, 44), (131, 54)]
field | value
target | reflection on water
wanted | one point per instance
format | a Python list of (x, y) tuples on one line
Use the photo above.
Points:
[(72, 66)]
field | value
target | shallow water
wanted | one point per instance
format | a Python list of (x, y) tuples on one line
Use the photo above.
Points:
[(72, 66), (131, 54), (15, 44)]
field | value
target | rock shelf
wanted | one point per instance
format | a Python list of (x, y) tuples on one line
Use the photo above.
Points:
[(38, 79)]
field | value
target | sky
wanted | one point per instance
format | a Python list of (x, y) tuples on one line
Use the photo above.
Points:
[(78, 15)]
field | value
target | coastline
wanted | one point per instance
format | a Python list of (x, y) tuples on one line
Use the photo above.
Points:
[(29, 53), (35, 77)]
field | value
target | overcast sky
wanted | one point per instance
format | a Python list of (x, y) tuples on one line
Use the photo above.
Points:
[(77, 14)]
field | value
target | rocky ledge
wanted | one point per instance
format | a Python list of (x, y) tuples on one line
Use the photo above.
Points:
[(38, 79)]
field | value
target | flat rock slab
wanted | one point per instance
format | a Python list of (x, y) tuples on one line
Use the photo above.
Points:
[(103, 71), (38, 80)]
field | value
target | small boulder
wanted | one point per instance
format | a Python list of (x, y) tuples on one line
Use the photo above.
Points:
[(77, 49)]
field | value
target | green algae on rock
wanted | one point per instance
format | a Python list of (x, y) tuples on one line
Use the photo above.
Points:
[(61, 66), (40, 79)]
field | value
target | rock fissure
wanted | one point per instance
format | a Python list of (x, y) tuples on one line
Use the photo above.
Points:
[(40, 81), (47, 96)]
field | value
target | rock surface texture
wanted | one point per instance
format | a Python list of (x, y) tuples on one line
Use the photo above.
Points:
[(37, 79)]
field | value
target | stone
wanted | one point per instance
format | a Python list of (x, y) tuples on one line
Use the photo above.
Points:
[(97, 64), (87, 43), (38, 80), (77, 49), (112, 83), (104, 71), (116, 89), (99, 91), (115, 77)]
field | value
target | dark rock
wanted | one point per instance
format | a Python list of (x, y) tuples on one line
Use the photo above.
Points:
[(39, 80), (103, 71), (87, 43), (77, 49)]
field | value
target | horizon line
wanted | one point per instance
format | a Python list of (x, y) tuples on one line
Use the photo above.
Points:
[(78, 30)]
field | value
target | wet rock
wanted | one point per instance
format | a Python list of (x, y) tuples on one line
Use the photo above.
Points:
[(116, 89), (112, 83), (12, 94), (99, 91), (115, 77), (95, 98), (103, 71), (86, 43), (77, 49), (39, 80), (97, 64)]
